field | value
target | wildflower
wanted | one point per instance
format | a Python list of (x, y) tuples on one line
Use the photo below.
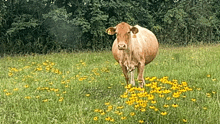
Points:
[(174, 105), (208, 75), (102, 113), (208, 94), (107, 103), (123, 118), (213, 79), (37, 97), (213, 92), (96, 110), (10, 74), (61, 99), (168, 98), (132, 113), (142, 109), (141, 121), (193, 99), (120, 113), (120, 107), (95, 118), (156, 109), (152, 107), (87, 95), (205, 108), (161, 95), (184, 120), (112, 120), (5, 90), (7, 94), (46, 100), (165, 106), (26, 86), (27, 97), (107, 118), (163, 113)]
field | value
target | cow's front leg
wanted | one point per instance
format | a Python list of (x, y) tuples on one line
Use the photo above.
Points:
[(125, 71), (132, 78), (140, 74)]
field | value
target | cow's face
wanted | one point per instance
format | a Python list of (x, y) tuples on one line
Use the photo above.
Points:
[(123, 31)]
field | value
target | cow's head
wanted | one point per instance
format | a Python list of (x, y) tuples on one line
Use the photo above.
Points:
[(123, 31)]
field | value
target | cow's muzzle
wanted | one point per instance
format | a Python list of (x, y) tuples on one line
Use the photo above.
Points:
[(122, 46)]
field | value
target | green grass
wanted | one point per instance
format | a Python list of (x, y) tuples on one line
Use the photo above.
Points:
[(69, 87)]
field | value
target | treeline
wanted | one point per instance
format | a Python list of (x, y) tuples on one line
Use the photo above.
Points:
[(42, 26)]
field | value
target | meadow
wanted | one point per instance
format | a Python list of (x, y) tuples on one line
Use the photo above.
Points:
[(182, 86)]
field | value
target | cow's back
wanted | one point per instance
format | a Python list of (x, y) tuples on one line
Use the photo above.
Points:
[(149, 43)]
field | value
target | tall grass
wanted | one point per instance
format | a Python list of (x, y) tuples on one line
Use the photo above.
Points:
[(89, 87)]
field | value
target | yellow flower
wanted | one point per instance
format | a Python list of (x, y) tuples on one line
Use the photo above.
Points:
[(87, 95), (165, 106), (10, 74), (184, 120), (107, 118), (142, 109), (37, 97), (208, 75), (156, 109), (5, 90), (102, 113), (174, 105), (152, 107), (120, 107), (27, 97), (132, 113), (46, 100), (123, 118), (112, 120), (26, 86), (205, 108), (168, 98), (7, 94), (61, 99), (95, 118), (107, 103), (96, 110), (213, 79), (15, 89), (163, 113), (141, 121), (208, 94), (213, 92), (193, 100)]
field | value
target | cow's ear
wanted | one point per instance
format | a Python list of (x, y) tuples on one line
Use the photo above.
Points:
[(134, 30), (111, 30)]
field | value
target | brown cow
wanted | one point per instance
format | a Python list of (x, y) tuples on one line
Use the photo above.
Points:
[(133, 47)]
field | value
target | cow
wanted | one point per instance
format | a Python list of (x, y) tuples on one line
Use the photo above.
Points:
[(134, 47)]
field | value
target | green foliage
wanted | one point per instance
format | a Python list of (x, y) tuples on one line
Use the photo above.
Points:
[(52, 25)]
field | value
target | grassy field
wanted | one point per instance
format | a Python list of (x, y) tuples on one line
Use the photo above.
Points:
[(182, 86)]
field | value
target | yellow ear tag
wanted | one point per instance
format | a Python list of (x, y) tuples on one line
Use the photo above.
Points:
[(109, 32), (134, 36)]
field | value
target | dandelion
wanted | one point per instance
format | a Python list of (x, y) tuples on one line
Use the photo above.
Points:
[(193, 99), (184, 120), (163, 113), (95, 118)]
